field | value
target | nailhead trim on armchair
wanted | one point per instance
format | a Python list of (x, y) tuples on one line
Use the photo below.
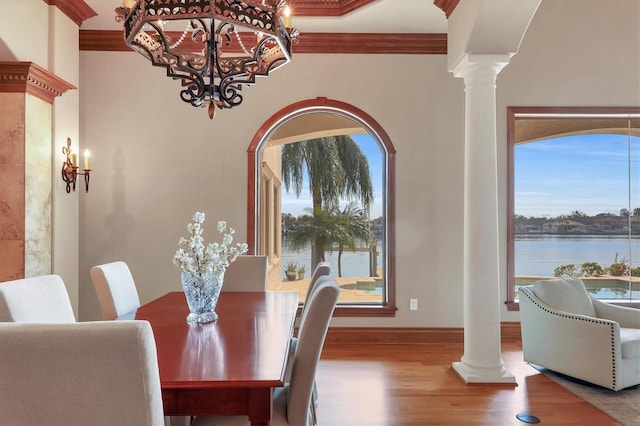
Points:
[(590, 320)]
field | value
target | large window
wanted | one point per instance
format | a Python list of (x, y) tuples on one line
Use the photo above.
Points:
[(574, 199), (289, 226)]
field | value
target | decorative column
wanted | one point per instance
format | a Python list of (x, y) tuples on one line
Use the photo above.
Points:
[(481, 361), (27, 92)]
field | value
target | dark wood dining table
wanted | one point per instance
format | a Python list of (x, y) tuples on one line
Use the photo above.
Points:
[(228, 367)]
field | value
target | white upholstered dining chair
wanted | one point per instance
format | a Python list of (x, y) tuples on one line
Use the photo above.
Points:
[(291, 403), (322, 269), (246, 273), (116, 290), (41, 299), (86, 373)]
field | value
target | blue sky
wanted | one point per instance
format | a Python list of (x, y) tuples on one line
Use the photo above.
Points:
[(295, 206), (589, 173)]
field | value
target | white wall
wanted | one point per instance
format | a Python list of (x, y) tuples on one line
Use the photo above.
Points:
[(24, 31), (157, 160)]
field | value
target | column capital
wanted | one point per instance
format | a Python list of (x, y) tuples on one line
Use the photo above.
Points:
[(476, 65), (28, 77)]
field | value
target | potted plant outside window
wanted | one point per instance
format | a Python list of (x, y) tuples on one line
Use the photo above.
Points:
[(301, 270), (291, 270)]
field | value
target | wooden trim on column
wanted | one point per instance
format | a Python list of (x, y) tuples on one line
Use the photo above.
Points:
[(76, 10), (351, 43), (447, 6), (27, 77), (509, 331)]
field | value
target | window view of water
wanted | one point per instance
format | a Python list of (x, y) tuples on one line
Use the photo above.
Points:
[(539, 255), (535, 255), (354, 264)]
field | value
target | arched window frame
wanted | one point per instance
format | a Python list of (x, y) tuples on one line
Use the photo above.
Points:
[(324, 105)]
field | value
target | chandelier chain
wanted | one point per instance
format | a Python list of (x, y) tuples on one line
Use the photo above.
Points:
[(244, 49), (182, 36)]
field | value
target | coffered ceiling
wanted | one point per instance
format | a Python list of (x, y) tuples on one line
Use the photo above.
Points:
[(331, 16), (326, 26)]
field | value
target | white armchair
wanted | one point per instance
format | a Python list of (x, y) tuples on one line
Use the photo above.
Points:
[(567, 331)]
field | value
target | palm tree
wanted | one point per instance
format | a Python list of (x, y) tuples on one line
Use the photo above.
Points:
[(352, 224), (315, 228), (332, 227), (336, 168)]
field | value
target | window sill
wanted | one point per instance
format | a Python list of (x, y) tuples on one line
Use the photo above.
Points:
[(515, 306), (345, 310)]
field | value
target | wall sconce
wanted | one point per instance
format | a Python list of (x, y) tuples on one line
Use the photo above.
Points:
[(70, 168)]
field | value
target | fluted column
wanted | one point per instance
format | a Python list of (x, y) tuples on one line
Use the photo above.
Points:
[(482, 361)]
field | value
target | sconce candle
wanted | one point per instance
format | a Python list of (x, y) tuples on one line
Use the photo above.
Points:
[(70, 168)]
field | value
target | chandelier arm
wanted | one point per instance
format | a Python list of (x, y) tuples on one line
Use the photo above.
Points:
[(213, 58)]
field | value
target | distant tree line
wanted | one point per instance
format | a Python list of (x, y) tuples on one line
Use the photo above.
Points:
[(578, 222)]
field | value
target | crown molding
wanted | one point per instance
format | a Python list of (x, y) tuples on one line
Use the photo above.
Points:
[(372, 43), (76, 10), (447, 6), (352, 43), (325, 7), (27, 77)]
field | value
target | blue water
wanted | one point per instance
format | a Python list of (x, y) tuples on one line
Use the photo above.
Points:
[(354, 264), (541, 254), (536, 255)]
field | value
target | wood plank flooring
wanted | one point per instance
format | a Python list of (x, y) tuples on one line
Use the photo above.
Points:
[(414, 384)]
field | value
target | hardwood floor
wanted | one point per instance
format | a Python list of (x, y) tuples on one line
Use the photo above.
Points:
[(414, 384)]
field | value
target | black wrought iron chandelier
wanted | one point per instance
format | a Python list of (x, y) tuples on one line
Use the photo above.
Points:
[(223, 44)]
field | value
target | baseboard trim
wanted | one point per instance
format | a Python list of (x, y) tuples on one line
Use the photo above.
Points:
[(510, 332)]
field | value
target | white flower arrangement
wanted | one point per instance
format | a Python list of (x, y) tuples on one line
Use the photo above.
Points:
[(194, 258)]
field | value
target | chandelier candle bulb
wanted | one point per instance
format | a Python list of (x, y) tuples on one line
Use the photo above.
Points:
[(74, 159), (86, 159), (286, 19)]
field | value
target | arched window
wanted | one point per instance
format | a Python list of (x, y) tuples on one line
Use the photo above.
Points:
[(368, 293)]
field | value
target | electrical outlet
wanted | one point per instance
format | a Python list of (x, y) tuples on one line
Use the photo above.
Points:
[(413, 304)]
